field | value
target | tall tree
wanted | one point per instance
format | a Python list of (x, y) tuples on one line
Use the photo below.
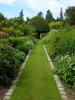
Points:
[(49, 16), (40, 25), (28, 19), (61, 14), (21, 14), (57, 19), (2, 17), (40, 14), (70, 15)]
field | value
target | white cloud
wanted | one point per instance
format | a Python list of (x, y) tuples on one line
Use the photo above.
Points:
[(53, 5), (8, 2), (32, 7)]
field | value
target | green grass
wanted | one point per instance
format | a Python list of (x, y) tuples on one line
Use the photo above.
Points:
[(36, 81)]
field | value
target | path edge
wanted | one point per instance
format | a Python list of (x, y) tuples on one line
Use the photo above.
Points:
[(14, 83), (57, 80)]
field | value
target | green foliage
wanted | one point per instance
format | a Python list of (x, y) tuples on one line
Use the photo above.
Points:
[(27, 29), (17, 41), (2, 18), (40, 14), (25, 47), (10, 31), (60, 46), (65, 67), (10, 61), (61, 14), (70, 15), (49, 16), (56, 25), (61, 42), (37, 76), (40, 25), (21, 14), (3, 34), (20, 55), (4, 41), (21, 43), (23, 29)]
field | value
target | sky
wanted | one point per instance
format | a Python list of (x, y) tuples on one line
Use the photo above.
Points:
[(12, 8)]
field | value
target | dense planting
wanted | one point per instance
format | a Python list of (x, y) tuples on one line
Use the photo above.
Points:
[(16, 40), (61, 48), (23, 44), (10, 61), (13, 51), (65, 67)]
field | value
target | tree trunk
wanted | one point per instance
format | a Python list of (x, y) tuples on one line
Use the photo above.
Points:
[(39, 35)]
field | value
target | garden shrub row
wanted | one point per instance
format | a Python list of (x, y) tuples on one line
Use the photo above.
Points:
[(61, 48), (10, 61), (13, 51), (16, 40), (56, 25), (65, 67), (23, 44)]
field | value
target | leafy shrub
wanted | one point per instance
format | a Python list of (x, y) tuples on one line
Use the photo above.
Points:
[(10, 60), (56, 25), (17, 41), (27, 29), (60, 46), (25, 47), (65, 67), (10, 30), (61, 42), (3, 34), (21, 43), (20, 55), (4, 41)]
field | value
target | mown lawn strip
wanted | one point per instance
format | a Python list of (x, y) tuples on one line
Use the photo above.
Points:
[(36, 81)]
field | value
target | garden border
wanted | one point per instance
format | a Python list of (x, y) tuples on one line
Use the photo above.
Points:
[(58, 82), (11, 89)]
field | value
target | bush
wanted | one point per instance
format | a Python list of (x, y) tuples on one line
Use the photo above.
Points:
[(20, 55), (10, 61), (65, 67), (10, 31), (17, 41), (56, 25), (61, 42), (4, 41), (3, 34), (27, 29), (25, 47), (61, 48), (21, 43)]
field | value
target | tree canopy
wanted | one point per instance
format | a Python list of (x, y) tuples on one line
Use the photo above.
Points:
[(40, 14), (40, 24), (2, 18), (61, 14), (49, 16), (70, 15), (21, 15)]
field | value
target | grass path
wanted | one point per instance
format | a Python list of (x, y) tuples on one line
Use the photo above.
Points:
[(36, 81)]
